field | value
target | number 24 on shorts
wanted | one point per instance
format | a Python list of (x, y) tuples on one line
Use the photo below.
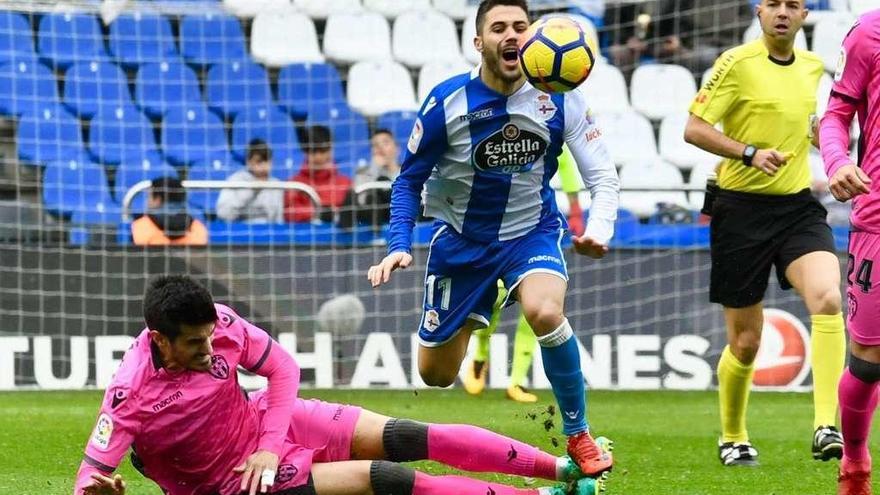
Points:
[(863, 274)]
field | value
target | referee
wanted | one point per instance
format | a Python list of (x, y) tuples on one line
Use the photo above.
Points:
[(764, 95)]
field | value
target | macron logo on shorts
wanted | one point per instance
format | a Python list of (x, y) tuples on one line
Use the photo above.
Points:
[(545, 257)]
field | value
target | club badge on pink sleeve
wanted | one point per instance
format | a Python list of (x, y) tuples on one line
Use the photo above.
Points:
[(102, 433)]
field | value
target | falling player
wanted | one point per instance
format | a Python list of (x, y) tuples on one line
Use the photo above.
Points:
[(176, 402), (856, 89), (489, 142)]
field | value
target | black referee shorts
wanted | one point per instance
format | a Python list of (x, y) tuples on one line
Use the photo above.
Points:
[(752, 232)]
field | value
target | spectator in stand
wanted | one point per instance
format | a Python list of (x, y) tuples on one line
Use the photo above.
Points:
[(253, 205), (372, 207), (166, 222), (320, 172)]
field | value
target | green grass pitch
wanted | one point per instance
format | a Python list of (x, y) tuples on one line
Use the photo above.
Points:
[(665, 441)]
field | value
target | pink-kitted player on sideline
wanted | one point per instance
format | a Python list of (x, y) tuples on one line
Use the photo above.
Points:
[(176, 402), (857, 90)]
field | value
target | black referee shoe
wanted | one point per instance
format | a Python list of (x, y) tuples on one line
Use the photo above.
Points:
[(737, 454), (827, 444)]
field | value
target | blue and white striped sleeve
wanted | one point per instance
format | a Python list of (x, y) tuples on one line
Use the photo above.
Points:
[(584, 139), (426, 145)]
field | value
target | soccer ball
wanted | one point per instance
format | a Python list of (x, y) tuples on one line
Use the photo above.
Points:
[(555, 55)]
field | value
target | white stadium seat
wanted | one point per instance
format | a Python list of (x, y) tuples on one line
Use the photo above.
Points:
[(434, 73), (456, 9), (393, 8), (321, 9), (252, 8), (828, 34), (629, 137), (817, 166), (698, 177), (673, 147), (754, 32), (706, 75), (281, 38), (658, 90), (822, 93), (605, 90), (380, 86), (355, 37), (468, 32), (649, 175), (859, 7), (420, 36)]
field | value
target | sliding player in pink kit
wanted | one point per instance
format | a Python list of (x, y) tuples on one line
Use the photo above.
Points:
[(857, 90), (175, 401)]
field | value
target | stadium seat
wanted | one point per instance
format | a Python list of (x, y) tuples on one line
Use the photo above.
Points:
[(400, 124), (421, 36), (205, 200), (355, 37), (606, 90), (281, 38), (457, 10), (273, 126), (322, 9), (210, 38), (656, 173), (16, 36), (628, 135), (859, 7), (232, 87), (140, 38), (828, 34), (129, 176), (66, 38), (675, 150), (658, 90), (253, 8), (191, 134), (434, 73), (76, 184), (380, 86), (754, 32), (393, 8), (698, 177), (26, 85), (48, 134), (468, 32), (89, 86), (305, 86), (159, 87), (119, 131), (351, 136)]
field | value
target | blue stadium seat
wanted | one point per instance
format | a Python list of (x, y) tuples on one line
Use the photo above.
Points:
[(164, 85), (302, 86), (400, 123), (128, 176), (139, 38), (66, 38), (76, 184), (25, 86), (275, 127), (89, 86), (16, 36), (210, 38), (48, 134), (191, 134), (119, 131), (205, 200), (235, 86), (351, 135)]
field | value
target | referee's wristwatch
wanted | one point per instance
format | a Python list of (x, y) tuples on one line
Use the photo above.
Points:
[(749, 155)]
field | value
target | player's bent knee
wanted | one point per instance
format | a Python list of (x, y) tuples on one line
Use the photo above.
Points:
[(865, 371), (544, 317), (405, 440), (389, 478), (745, 346), (828, 301)]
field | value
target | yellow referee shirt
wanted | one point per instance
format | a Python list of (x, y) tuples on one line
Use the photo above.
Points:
[(765, 103)]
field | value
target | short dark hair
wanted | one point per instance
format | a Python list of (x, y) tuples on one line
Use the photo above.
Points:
[(382, 130), (317, 138), (168, 189), (487, 5), (258, 148), (173, 300)]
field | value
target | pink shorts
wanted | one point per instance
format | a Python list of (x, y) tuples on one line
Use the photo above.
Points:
[(862, 291), (319, 432)]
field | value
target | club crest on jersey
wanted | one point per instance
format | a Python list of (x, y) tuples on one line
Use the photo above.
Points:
[(286, 472), (219, 367), (509, 150), (432, 320), (544, 107)]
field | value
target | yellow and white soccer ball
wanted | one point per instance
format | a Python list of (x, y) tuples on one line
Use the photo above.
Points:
[(555, 55)]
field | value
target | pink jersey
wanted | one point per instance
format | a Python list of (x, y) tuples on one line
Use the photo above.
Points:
[(192, 428), (857, 90)]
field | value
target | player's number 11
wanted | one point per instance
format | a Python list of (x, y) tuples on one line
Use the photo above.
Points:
[(445, 285)]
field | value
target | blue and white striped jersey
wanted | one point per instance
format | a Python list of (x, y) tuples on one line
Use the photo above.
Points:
[(486, 160)]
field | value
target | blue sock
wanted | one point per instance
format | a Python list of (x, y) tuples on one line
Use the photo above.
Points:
[(562, 364)]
